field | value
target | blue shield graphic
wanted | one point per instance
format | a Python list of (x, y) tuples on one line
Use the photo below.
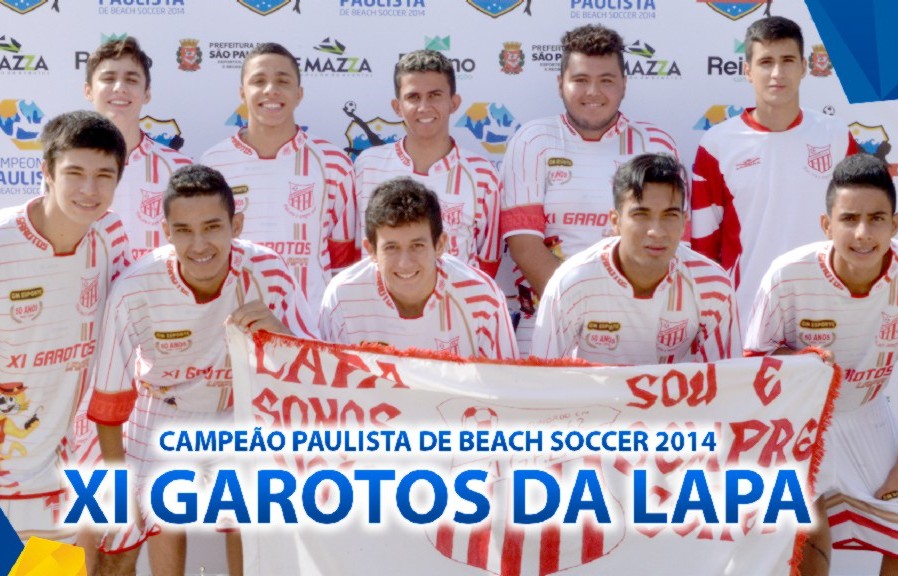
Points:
[(734, 10), (264, 7), (22, 6), (495, 8)]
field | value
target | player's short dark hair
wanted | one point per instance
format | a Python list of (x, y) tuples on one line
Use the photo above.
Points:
[(197, 180), (424, 61), (400, 202), (127, 47), (772, 29), (270, 48), (82, 129), (860, 171), (592, 40), (633, 176)]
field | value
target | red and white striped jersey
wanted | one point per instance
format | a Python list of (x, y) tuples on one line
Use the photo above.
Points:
[(178, 346), (468, 189), (50, 309), (301, 204), (556, 184), (757, 194), (138, 196), (801, 302), (465, 315), (589, 312)]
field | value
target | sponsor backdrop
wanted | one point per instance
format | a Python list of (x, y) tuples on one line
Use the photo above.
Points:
[(684, 60)]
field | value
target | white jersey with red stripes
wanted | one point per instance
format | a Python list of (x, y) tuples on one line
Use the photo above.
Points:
[(802, 302), (301, 204), (468, 189), (757, 194), (138, 196), (465, 315), (589, 312), (557, 184), (50, 311), (155, 328)]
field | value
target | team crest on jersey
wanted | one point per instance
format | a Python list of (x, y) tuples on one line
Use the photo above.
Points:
[(173, 341), (26, 304), (672, 334), (819, 62), (603, 335), (888, 330), (820, 159), (453, 214), (241, 199), (189, 55), (817, 332), (448, 346), (90, 295), (511, 59), (150, 207), (299, 202), (559, 171)]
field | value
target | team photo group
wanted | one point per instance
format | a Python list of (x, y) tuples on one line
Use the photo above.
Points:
[(592, 239)]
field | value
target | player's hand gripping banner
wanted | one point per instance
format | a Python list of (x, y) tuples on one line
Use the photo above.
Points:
[(406, 464)]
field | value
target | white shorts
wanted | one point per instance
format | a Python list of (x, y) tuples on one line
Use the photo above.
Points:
[(861, 448), (40, 516)]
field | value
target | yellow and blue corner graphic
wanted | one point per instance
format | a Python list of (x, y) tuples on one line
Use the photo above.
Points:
[(39, 557)]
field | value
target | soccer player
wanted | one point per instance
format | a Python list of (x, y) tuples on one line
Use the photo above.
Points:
[(59, 253), (118, 86), (842, 296), (756, 174), (557, 171), (640, 297), (465, 183), (408, 293), (295, 191), (164, 340)]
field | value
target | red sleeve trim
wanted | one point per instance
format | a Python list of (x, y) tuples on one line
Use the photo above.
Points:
[(530, 217), (491, 267), (111, 409)]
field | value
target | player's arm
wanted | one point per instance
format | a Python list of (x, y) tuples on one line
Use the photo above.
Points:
[(536, 262), (501, 343), (340, 190), (523, 219), (710, 205), (553, 335), (254, 316), (719, 318), (279, 307), (487, 238), (766, 331)]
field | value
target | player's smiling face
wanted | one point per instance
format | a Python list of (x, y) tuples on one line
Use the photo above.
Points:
[(118, 90), (861, 226), (271, 91), (650, 232), (406, 258), (80, 188), (425, 105), (592, 88), (201, 232)]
